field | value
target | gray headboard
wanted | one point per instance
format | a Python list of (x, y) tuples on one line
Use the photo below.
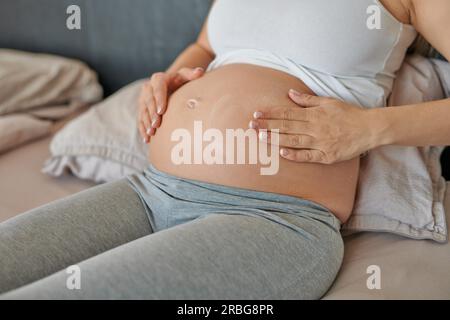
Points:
[(123, 40)]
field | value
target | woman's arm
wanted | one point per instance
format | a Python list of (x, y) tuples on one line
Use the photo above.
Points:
[(427, 123), (331, 131), (198, 54)]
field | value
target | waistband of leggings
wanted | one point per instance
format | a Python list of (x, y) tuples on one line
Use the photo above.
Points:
[(166, 179)]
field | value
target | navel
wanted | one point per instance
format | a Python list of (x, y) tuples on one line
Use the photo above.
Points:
[(192, 103)]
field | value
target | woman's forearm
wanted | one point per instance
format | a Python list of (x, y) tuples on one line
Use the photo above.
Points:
[(426, 124), (194, 56)]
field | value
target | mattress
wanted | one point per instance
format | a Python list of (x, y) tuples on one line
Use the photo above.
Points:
[(409, 269), (24, 187)]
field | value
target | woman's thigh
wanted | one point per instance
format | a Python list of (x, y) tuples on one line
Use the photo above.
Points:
[(214, 257), (47, 239)]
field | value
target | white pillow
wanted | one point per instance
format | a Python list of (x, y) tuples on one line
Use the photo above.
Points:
[(103, 144), (401, 189)]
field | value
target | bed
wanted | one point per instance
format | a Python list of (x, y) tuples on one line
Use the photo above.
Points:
[(23, 186), (410, 269)]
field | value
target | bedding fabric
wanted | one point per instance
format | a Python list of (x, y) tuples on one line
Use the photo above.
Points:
[(23, 186), (400, 189), (31, 80), (37, 89), (409, 269), (17, 129), (103, 144)]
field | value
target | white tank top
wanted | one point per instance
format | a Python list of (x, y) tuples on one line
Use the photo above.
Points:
[(328, 44)]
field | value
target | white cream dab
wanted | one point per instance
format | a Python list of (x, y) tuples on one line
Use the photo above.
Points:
[(192, 103)]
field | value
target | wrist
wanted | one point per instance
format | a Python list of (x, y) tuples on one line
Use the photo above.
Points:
[(380, 127)]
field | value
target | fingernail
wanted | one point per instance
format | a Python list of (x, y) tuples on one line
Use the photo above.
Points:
[(257, 115), (284, 152), (294, 92), (253, 124), (263, 136), (159, 110), (144, 140), (154, 123), (149, 131), (199, 69)]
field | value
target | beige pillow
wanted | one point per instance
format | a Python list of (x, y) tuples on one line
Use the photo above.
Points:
[(104, 143)]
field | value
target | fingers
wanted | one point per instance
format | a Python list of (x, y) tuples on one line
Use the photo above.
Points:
[(147, 113), (159, 87), (284, 126), (154, 98), (185, 75), (191, 74), (290, 145), (286, 113), (306, 100), (292, 141), (145, 119), (313, 156), (152, 117), (145, 137), (144, 127), (163, 84)]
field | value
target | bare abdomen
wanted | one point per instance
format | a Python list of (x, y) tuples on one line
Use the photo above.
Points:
[(224, 100)]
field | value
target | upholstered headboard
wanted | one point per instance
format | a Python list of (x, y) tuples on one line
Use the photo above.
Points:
[(122, 40)]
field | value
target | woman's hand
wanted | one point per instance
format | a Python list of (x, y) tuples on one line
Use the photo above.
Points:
[(321, 130), (154, 97)]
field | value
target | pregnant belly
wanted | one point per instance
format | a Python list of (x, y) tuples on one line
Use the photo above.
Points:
[(206, 120)]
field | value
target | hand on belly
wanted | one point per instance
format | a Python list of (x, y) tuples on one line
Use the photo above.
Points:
[(205, 136), (320, 130)]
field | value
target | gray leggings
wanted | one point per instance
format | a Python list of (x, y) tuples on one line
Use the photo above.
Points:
[(247, 249)]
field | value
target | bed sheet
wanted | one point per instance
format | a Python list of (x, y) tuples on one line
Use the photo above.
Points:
[(24, 187), (409, 269)]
